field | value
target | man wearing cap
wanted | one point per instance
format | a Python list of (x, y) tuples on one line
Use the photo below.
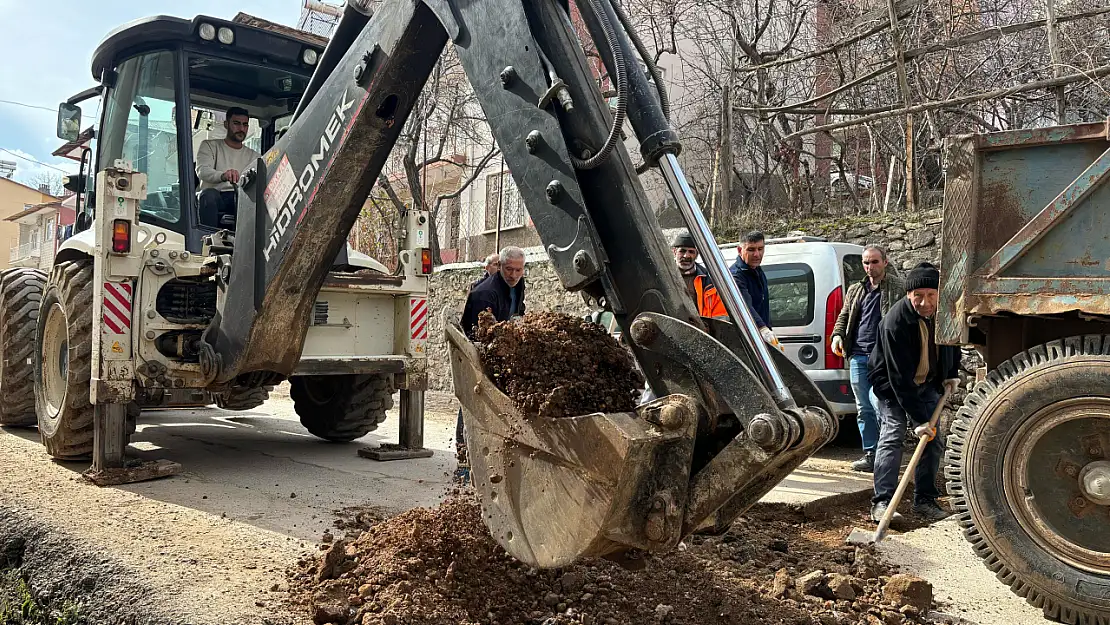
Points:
[(908, 371), (698, 283), (699, 286)]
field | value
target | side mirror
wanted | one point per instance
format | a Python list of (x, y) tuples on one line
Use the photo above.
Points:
[(69, 121), (75, 183)]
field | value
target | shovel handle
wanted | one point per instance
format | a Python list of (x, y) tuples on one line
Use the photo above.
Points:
[(922, 441)]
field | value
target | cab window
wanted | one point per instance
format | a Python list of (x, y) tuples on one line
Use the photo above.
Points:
[(140, 127)]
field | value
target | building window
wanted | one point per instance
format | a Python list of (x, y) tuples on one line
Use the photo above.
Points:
[(501, 192)]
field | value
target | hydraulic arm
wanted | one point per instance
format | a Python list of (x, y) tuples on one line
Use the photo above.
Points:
[(734, 417)]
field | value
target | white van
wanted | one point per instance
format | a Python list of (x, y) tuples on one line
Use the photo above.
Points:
[(807, 278)]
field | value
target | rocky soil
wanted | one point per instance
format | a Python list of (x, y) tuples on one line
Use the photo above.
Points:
[(440, 567), (555, 365)]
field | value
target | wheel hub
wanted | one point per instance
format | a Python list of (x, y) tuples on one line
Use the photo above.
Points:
[(55, 359), (1057, 480), (1094, 482)]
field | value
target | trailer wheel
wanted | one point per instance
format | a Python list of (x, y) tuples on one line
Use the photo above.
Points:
[(341, 408), (1028, 467), (20, 297), (63, 361), (243, 397)]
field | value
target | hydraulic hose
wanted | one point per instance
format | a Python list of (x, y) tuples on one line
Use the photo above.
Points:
[(653, 71), (622, 92)]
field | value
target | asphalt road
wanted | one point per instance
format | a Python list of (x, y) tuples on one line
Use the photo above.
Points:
[(262, 468)]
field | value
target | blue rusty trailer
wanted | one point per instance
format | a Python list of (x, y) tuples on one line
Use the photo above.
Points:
[(1025, 278)]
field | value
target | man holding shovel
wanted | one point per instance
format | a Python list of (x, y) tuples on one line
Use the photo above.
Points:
[(908, 372)]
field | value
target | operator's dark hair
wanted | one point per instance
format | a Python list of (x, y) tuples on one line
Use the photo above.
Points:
[(237, 110), (755, 236)]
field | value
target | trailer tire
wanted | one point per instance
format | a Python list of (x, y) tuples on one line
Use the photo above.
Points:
[(20, 298), (63, 361), (1014, 453), (243, 397), (341, 408)]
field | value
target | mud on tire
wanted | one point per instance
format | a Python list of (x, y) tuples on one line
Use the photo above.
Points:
[(63, 361), (20, 296), (1042, 402), (243, 397), (341, 408)]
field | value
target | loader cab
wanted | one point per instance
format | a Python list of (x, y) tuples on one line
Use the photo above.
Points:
[(165, 85)]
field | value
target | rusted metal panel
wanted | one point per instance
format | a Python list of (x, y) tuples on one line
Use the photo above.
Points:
[(1028, 137), (1026, 228), (1055, 212)]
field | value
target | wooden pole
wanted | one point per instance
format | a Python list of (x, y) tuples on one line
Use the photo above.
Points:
[(904, 87), (1054, 52), (889, 183)]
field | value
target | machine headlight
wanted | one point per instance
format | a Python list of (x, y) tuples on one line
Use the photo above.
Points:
[(309, 56), (227, 37), (207, 32)]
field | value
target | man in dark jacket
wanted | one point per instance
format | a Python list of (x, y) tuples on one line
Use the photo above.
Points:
[(502, 294), (908, 371), (752, 283), (493, 265), (853, 336)]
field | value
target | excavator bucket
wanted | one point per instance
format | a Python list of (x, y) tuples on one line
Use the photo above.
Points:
[(554, 490)]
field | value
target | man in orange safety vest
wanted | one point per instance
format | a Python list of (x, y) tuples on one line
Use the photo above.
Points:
[(698, 283)]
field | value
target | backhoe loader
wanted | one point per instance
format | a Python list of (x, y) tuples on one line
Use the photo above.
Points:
[(146, 296)]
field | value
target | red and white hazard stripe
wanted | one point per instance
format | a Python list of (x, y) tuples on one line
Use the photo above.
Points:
[(117, 307), (418, 318)]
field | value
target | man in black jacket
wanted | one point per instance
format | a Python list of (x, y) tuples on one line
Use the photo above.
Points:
[(502, 294), (908, 371)]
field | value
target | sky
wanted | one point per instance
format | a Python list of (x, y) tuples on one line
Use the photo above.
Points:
[(46, 52)]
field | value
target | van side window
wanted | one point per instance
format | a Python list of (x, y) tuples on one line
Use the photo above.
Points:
[(790, 291), (853, 269)]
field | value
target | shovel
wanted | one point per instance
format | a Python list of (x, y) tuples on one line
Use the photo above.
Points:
[(860, 536)]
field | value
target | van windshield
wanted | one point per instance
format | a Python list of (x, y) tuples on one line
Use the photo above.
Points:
[(790, 290)]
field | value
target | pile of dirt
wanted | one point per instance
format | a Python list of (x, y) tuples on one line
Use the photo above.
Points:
[(555, 365), (440, 567)]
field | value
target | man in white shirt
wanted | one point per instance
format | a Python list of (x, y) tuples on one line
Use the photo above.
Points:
[(220, 164)]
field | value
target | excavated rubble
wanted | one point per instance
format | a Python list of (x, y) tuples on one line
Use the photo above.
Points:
[(441, 567), (555, 365)]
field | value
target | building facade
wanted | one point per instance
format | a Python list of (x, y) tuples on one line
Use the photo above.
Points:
[(15, 199)]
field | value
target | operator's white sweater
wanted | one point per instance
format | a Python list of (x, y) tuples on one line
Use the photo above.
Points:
[(215, 157)]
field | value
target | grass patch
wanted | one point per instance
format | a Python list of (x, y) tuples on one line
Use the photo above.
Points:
[(18, 607)]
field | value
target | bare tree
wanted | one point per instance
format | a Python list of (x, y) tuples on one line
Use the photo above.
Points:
[(49, 182), (430, 167)]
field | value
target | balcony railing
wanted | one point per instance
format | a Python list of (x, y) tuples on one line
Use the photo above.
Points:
[(25, 251)]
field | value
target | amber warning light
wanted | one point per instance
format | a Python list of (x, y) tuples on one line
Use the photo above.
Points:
[(426, 261), (121, 236)]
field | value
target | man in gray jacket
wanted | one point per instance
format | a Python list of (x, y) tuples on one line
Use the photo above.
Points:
[(854, 336)]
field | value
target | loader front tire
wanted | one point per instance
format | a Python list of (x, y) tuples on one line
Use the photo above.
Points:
[(341, 408), (20, 298), (63, 361), (243, 397), (1018, 451)]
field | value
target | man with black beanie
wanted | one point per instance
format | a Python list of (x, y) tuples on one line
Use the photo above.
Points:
[(908, 371)]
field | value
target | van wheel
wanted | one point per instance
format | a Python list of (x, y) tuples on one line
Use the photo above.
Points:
[(341, 408), (63, 361), (20, 298)]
